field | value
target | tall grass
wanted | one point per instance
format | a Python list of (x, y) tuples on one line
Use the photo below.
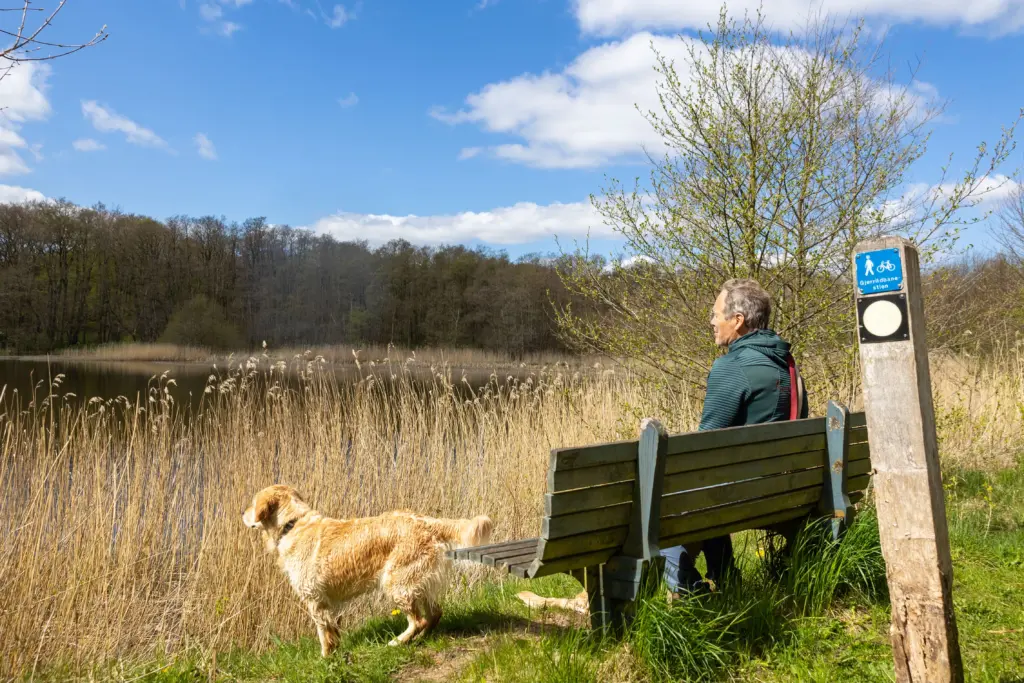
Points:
[(123, 533), (700, 636)]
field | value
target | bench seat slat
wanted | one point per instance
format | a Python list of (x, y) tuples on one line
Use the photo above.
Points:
[(568, 502), (551, 549), (734, 455), (742, 525), (562, 459), (521, 558), (726, 474), (565, 480), (520, 570), (474, 552), (690, 501), (540, 568), (477, 554), (728, 514), (589, 520), (858, 420), (731, 437)]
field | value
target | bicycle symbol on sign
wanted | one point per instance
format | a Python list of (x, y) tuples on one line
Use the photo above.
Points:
[(870, 268)]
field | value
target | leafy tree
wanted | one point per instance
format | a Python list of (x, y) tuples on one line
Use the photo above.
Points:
[(201, 322), (781, 155)]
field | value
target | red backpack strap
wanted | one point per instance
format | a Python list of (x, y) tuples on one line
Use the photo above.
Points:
[(794, 388)]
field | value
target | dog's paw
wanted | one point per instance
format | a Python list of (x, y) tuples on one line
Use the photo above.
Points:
[(394, 642)]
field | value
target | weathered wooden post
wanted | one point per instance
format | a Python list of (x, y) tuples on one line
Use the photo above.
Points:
[(904, 453), (614, 587)]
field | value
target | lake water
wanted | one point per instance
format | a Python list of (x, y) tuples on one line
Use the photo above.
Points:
[(133, 379)]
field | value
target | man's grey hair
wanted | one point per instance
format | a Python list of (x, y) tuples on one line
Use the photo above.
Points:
[(748, 298)]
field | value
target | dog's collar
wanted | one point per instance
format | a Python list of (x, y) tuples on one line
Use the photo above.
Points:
[(288, 526)]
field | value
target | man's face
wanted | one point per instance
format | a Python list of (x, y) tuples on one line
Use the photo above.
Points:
[(727, 330)]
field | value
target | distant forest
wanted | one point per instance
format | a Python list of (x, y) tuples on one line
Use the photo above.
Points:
[(73, 277)]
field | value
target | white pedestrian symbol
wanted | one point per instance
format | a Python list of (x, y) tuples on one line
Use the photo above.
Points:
[(869, 267)]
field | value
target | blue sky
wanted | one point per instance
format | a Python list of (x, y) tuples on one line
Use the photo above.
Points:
[(480, 122)]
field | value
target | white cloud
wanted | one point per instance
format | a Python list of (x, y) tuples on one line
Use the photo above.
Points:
[(919, 197), (628, 262), (88, 145), (210, 12), (11, 162), (469, 153), (990, 190), (12, 194), (592, 112), (518, 224), (338, 17), (349, 100), (584, 115), (107, 120), (205, 147), (607, 17), (213, 14), (23, 92), (22, 99)]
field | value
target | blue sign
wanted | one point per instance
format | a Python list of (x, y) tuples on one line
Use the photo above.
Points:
[(879, 271)]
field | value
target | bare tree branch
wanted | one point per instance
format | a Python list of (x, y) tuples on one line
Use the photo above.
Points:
[(27, 42)]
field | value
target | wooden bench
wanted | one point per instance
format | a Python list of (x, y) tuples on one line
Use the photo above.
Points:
[(610, 507)]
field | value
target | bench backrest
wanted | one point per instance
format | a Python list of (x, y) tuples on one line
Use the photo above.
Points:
[(588, 504), (705, 484), (727, 480)]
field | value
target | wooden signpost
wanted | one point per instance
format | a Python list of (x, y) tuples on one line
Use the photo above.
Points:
[(904, 453)]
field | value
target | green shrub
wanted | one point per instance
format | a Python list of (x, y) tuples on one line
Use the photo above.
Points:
[(202, 322)]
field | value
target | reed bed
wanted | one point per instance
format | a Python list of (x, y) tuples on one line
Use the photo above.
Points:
[(336, 354), (123, 532)]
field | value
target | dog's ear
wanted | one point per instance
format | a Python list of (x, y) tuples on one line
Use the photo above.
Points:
[(266, 507), (262, 509)]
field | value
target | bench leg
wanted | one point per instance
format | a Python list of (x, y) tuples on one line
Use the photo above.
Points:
[(610, 612)]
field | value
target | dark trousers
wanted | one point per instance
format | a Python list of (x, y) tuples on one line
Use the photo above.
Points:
[(681, 572)]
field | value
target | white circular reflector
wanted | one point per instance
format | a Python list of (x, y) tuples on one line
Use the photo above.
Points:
[(882, 318)]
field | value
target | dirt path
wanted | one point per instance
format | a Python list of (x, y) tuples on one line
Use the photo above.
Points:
[(448, 663)]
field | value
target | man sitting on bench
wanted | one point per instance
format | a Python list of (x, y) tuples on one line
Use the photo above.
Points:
[(750, 384)]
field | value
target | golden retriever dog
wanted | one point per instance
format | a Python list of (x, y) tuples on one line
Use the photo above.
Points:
[(329, 561)]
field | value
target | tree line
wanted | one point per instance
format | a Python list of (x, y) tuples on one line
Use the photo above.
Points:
[(73, 276)]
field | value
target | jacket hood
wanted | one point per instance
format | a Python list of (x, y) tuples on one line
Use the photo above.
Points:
[(766, 342)]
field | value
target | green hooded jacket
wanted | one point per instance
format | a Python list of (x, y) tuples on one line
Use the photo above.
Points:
[(750, 383)]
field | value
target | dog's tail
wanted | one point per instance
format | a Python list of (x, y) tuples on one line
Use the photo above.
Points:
[(476, 531), (462, 533)]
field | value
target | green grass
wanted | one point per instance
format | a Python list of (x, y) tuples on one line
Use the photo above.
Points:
[(820, 614)]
